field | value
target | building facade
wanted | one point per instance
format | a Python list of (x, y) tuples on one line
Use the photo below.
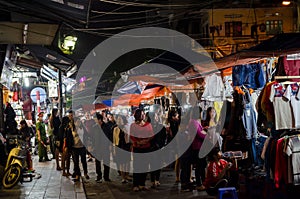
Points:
[(225, 31)]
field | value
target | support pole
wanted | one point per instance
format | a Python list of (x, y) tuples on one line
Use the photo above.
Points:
[(61, 100), (38, 103)]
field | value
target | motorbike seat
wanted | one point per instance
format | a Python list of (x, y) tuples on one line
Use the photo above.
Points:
[(19, 157)]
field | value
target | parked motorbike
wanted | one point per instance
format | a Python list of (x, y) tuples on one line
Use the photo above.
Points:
[(15, 169)]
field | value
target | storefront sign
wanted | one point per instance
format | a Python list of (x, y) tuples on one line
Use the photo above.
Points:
[(41, 92), (52, 89)]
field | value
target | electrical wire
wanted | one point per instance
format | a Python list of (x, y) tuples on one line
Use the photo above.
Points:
[(122, 19), (125, 13), (152, 23), (154, 5), (112, 11)]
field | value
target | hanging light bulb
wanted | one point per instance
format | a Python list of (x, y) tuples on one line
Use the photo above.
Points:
[(68, 44), (286, 3)]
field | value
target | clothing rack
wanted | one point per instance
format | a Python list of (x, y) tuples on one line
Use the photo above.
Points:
[(287, 77), (290, 133)]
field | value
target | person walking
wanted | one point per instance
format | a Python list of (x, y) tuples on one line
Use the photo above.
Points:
[(79, 149), (141, 133), (42, 138), (58, 138), (173, 121), (66, 130), (157, 143), (195, 126), (27, 134), (89, 122), (102, 150), (121, 141)]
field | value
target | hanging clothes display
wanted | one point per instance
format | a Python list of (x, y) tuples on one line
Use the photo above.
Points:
[(228, 89), (291, 66), (250, 75), (266, 105), (282, 158), (295, 103), (283, 113), (286, 102), (249, 116), (214, 88), (293, 151)]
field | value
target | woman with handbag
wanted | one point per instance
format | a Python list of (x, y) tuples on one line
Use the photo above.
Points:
[(66, 130), (54, 124)]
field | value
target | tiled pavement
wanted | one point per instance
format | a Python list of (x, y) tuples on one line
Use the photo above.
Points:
[(51, 184), (115, 189)]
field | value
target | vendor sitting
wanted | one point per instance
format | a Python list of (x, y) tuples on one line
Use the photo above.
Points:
[(216, 173)]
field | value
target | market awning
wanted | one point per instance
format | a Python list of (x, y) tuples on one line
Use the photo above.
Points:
[(136, 99), (89, 107), (279, 45)]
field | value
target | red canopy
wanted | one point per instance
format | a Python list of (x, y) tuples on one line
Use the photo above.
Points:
[(135, 99)]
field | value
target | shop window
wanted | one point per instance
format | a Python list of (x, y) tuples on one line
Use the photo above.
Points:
[(274, 27), (233, 29)]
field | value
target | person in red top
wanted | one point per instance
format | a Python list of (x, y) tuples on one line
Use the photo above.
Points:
[(216, 172), (141, 133)]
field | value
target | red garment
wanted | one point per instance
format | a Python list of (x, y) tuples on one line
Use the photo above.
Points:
[(291, 67), (280, 172), (213, 171), (15, 96), (140, 133), (266, 104)]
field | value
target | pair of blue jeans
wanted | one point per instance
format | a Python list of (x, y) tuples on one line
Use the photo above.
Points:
[(249, 117), (259, 147), (249, 75)]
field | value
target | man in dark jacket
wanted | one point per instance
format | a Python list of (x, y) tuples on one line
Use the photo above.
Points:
[(101, 148)]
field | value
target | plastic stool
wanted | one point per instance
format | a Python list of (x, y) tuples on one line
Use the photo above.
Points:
[(228, 190)]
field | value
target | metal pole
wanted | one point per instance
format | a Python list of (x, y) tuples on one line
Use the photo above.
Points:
[(61, 100), (4, 52), (1, 108)]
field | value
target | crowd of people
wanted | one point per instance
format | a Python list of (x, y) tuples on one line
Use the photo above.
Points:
[(139, 133)]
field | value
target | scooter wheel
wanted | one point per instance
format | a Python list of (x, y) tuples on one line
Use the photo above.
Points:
[(11, 176)]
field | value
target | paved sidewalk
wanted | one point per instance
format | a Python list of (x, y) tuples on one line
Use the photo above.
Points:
[(51, 184), (115, 189)]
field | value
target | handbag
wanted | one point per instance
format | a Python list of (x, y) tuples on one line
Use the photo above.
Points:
[(57, 143)]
